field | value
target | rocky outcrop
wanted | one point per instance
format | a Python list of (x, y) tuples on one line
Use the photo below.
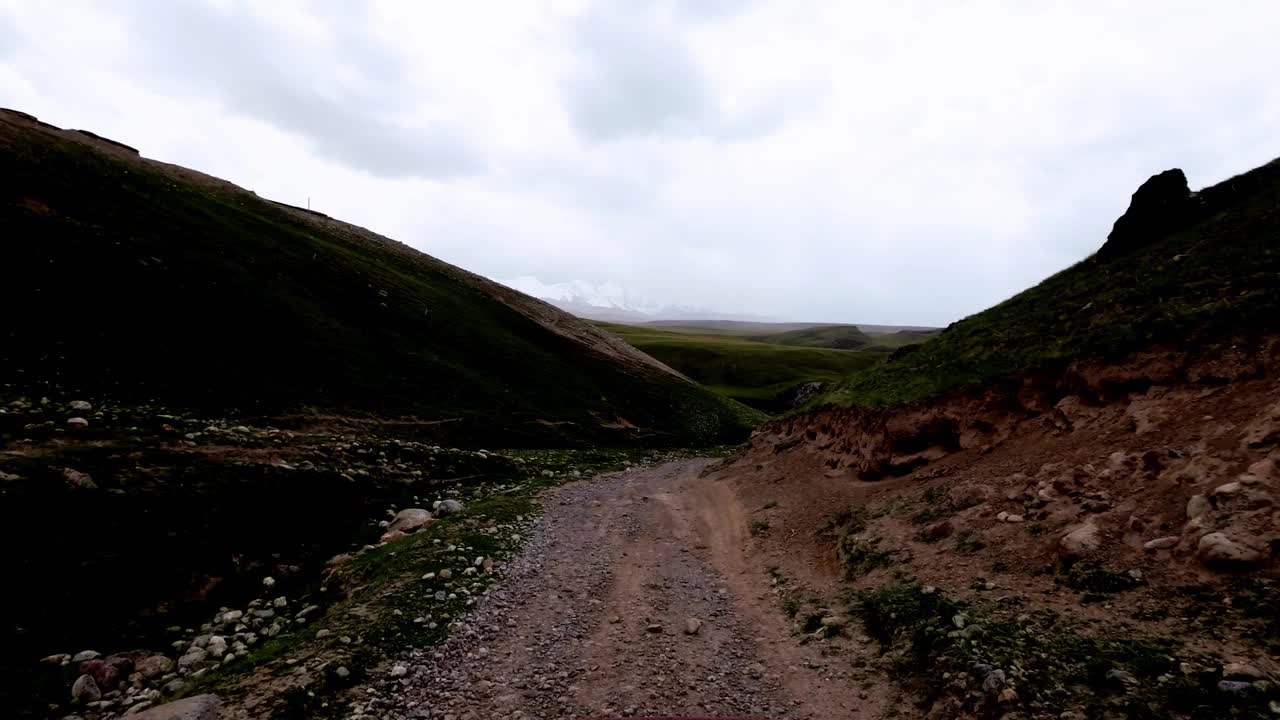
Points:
[(1162, 205)]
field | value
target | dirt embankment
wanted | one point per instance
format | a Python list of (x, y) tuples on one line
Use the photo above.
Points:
[(1105, 505), (893, 442)]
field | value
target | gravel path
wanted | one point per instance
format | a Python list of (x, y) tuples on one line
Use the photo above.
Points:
[(616, 608)]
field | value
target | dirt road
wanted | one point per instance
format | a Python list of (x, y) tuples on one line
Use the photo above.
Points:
[(633, 597)]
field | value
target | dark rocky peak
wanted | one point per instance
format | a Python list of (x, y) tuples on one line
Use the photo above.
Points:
[(1162, 205)]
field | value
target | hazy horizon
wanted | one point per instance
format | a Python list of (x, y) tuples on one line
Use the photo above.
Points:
[(806, 161)]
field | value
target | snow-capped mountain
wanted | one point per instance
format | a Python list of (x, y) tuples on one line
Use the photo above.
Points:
[(610, 301)]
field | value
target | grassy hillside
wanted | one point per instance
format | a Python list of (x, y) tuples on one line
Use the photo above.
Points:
[(753, 372), (1218, 276), (839, 337), (143, 281)]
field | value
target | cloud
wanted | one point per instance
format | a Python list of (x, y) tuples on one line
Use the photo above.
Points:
[(635, 76), (337, 90), (897, 163), (9, 37)]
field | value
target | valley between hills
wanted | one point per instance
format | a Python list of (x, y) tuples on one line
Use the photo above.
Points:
[(256, 462)]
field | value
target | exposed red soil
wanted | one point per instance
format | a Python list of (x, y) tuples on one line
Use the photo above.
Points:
[(1121, 446)]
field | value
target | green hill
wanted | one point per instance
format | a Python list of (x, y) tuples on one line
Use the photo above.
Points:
[(838, 337), (757, 373), (137, 280), (1212, 273)]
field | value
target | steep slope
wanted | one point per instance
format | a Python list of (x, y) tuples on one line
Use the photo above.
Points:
[(135, 279), (1214, 274)]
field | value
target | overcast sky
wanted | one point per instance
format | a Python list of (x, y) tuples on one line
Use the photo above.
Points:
[(890, 162)]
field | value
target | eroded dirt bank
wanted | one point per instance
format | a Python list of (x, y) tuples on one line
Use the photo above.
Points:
[(1113, 513)]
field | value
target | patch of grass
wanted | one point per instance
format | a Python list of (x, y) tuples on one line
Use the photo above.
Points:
[(1207, 281), (1097, 582), (969, 541), (934, 506), (1047, 662), (860, 557), (851, 520)]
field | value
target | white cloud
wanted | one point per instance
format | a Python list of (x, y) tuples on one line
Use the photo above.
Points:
[(907, 162)]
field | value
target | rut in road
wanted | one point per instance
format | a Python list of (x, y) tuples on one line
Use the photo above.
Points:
[(597, 617)]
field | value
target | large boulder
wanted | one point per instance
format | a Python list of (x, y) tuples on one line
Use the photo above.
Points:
[(1221, 551), (108, 673), (410, 520), (155, 666), (85, 690), (1162, 205)]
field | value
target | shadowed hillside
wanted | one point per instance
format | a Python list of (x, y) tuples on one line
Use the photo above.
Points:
[(146, 281)]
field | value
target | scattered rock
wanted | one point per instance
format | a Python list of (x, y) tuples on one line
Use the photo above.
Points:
[(154, 666), (77, 423), (399, 671), (1081, 542), (342, 672), (232, 616), (692, 626), (1236, 688), (410, 520), (445, 574), (268, 582), (78, 479), (1230, 489), (391, 536), (196, 707), (1218, 550), (1163, 543), (84, 655), (1242, 671), (80, 405), (85, 690), (449, 507), (1121, 677), (193, 659), (1197, 506), (653, 628), (107, 674)]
